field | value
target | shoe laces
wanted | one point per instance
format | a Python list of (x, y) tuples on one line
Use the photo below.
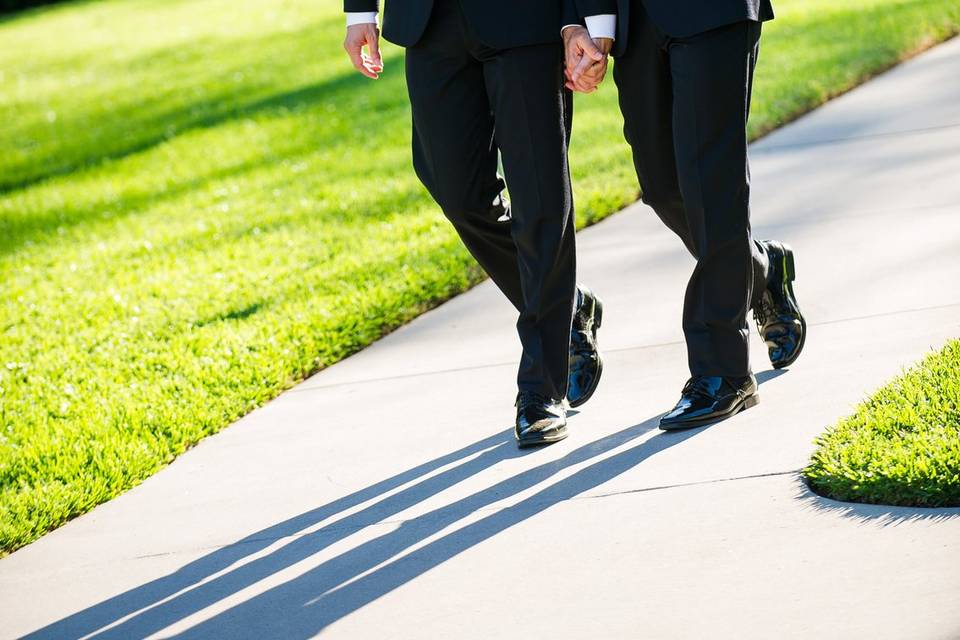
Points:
[(765, 311), (528, 398), (697, 385)]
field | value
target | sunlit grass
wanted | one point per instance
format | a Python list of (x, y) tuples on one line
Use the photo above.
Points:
[(200, 204), (902, 445)]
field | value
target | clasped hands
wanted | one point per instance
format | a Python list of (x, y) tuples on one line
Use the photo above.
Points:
[(585, 59)]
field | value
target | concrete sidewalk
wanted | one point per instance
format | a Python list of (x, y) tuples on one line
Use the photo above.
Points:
[(384, 497)]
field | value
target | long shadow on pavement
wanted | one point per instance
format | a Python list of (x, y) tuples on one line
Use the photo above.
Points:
[(304, 606), (118, 607), (308, 603)]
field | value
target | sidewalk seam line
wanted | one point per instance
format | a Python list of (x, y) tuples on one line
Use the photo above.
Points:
[(332, 528), (771, 474)]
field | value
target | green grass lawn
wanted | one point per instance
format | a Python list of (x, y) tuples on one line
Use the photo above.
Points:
[(201, 203), (902, 445)]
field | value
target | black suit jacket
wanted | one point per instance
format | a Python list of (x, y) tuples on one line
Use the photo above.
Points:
[(677, 18), (501, 24)]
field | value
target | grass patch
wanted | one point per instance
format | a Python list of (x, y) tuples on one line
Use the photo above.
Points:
[(201, 203), (902, 445)]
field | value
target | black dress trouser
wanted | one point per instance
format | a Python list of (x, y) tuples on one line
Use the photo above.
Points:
[(469, 101), (685, 103)]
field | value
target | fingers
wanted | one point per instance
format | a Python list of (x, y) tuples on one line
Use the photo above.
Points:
[(587, 85), (371, 65), (595, 72), (568, 83), (582, 84), (582, 54), (604, 44), (591, 50), (361, 35), (572, 56), (355, 51), (588, 80), (578, 45), (582, 72), (373, 46), (591, 80), (581, 68)]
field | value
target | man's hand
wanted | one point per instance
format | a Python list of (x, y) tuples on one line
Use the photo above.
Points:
[(368, 63), (590, 79), (586, 59)]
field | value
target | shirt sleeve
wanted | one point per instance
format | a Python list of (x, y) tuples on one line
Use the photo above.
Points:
[(361, 17), (600, 26)]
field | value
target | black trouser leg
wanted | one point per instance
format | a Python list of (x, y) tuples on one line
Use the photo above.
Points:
[(531, 110), (461, 92), (454, 153), (685, 103)]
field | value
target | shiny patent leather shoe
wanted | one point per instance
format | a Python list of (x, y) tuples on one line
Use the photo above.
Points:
[(586, 364), (540, 420), (777, 314), (707, 399)]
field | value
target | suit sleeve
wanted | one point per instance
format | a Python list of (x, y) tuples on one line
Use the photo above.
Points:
[(569, 14), (358, 6), (595, 7)]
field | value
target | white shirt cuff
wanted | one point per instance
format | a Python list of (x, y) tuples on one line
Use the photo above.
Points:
[(602, 26), (361, 17)]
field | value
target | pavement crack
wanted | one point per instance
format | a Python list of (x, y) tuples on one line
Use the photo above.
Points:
[(886, 314), (680, 485), (338, 527)]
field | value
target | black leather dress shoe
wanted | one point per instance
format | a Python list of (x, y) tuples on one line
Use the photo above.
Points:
[(707, 399), (586, 364), (540, 420), (777, 314)]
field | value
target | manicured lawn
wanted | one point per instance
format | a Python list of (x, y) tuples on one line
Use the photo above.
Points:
[(902, 445), (201, 203)]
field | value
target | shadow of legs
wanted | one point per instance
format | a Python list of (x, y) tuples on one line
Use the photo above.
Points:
[(305, 605), (496, 447)]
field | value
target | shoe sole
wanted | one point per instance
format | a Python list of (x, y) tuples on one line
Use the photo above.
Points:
[(746, 403), (597, 322), (557, 436), (790, 274)]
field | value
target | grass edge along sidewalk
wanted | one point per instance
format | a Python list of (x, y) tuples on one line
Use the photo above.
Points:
[(901, 446), (142, 370)]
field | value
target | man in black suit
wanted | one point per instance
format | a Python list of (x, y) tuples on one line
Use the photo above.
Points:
[(684, 70), (486, 77)]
